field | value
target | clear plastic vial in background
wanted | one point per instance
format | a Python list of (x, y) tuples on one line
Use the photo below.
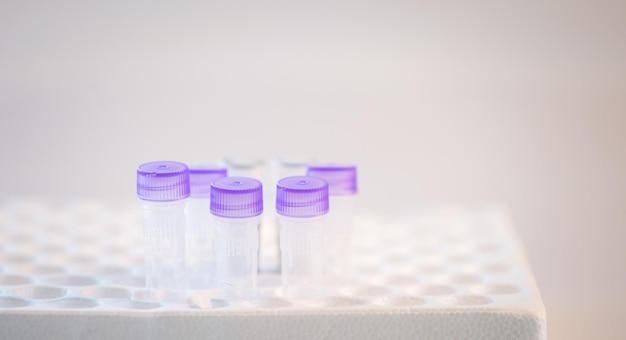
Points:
[(237, 205), (302, 203), (200, 254), (342, 188), (163, 189), (244, 166)]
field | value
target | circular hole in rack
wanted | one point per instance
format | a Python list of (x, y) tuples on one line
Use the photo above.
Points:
[(270, 303), (72, 280), (465, 279), (156, 295), (488, 248), (401, 280), (206, 300), (82, 259), (52, 249), (398, 258), (106, 292), (128, 280), (13, 302), (431, 269), (495, 267), (433, 290), (138, 305), (459, 258), (21, 237), (58, 259), (75, 303), (14, 280), (497, 289), (17, 259), (368, 270), (455, 238), (425, 249), (466, 300), (102, 270), (41, 269), (135, 260), (338, 302), (85, 239), (268, 280), (39, 292), (401, 301), (364, 290), (116, 249)]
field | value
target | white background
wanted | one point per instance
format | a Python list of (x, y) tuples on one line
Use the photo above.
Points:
[(521, 103)]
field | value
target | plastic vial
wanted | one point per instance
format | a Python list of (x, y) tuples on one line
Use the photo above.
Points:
[(342, 188), (280, 168), (237, 205), (254, 167), (244, 166), (163, 188), (200, 254), (301, 203)]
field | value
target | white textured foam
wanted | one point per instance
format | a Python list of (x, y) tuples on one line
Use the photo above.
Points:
[(74, 270)]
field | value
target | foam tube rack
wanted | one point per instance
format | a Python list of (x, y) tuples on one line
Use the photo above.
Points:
[(74, 269)]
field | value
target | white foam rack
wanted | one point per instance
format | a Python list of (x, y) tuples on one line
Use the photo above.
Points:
[(74, 269)]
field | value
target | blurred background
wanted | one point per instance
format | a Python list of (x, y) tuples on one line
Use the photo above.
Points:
[(520, 103)]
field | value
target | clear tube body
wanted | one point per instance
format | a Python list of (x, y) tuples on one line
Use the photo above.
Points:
[(236, 256), (302, 255), (269, 260), (257, 168), (337, 238), (164, 247), (200, 254)]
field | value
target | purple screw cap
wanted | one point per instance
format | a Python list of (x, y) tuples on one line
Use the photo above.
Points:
[(162, 181), (236, 197), (302, 196), (341, 178), (200, 179)]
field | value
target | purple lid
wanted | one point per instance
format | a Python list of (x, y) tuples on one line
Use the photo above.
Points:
[(201, 177), (162, 181), (301, 196), (341, 178), (236, 197)]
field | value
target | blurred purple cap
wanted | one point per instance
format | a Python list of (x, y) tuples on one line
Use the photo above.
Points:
[(162, 181), (301, 196), (200, 179), (341, 178), (236, 197)]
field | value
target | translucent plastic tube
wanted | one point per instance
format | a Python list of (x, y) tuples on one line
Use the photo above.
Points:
[(163, 188), (268, 244), (236, 249), (237, 205), (270, 250), (244, 167), (342, 188), (338, 236), (200, 252), (301, 203)]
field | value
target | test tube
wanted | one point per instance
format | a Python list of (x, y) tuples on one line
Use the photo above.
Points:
[(237, 205), (244, 166), (342, 189), (257, 168), (200, 254), (269, 259), (163, 188), (301, 203)]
